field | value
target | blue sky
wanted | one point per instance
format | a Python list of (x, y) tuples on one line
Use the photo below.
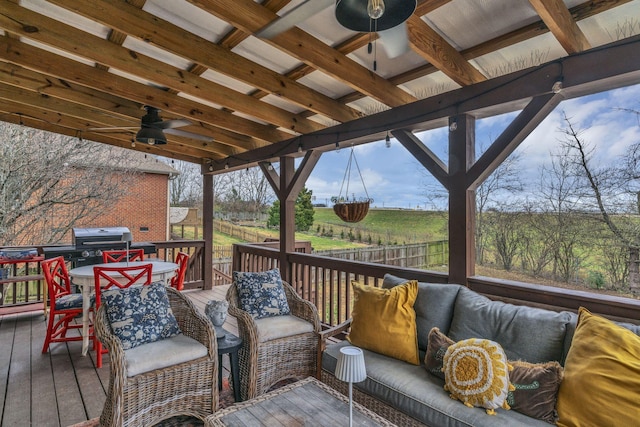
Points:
[(393, 178)]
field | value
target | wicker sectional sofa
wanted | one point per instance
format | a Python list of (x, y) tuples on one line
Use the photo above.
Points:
[(409, 395)]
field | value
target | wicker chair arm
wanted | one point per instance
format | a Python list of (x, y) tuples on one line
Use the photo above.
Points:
[(191, 322), (301, 308), (246, 324), (112, 343)]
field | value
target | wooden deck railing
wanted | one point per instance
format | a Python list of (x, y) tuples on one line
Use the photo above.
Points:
[(325, 282), (26, 284), (168, 250)]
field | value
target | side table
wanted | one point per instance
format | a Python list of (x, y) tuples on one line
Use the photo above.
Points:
[(230, 344)]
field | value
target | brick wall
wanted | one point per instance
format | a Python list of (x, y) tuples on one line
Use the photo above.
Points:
[(144, 210)]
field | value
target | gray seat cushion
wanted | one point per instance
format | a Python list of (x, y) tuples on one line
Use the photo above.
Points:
[(433, 306), (415, 392), (526, 333), (275, 327), (160, 354)]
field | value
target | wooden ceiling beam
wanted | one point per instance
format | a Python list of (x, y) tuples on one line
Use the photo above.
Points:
[(251, 17), (61, 113), (579, 12), (432, 47), (352, 43), (510, 92), (112, 106), (78, 42), (236, 36), (144, 26), (49, 63), (105, 139), (558, 19), (18, 76)]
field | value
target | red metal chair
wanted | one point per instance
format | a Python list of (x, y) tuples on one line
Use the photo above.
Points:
[(64, 305), (117, 277), (121, 255), (182, 260)]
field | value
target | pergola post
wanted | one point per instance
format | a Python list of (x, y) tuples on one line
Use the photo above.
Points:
[(287, 215), (462, 201), (207, 229)]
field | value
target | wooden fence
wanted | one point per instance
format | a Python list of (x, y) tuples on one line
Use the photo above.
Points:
[(414, 255), (194, 231)]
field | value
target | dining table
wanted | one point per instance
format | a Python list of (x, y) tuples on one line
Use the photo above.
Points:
[(83, 277)]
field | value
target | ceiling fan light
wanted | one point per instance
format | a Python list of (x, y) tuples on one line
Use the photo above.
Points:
[(375, 8), (151, 136), (352, 14)]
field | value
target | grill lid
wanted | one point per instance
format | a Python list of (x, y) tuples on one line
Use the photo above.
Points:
[(91, 237)]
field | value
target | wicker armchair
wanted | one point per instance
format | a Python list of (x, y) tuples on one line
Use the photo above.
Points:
[(264, 362), (189, 388)]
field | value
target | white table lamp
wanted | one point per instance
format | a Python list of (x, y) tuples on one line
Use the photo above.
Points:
[(127, 237), (351, 369)]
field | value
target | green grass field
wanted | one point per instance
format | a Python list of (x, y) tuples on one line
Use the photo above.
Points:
[(380, 226), (387, 226)]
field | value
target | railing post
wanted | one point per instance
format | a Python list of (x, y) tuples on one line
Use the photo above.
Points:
[(207, 230)]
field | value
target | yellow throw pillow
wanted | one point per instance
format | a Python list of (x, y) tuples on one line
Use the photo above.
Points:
[(601, 385), (384, 320)]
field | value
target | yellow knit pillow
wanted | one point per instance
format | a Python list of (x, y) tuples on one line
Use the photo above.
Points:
[(476, 372), (384, 320), (601, 385)]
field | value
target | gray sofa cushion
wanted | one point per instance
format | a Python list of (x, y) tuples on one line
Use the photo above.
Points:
[(526, 333), (412, 390), (433, 306)]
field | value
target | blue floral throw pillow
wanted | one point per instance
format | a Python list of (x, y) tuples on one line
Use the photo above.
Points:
[(140, 314), (261, 294)]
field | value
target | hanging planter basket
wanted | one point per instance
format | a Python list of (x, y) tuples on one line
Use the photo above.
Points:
[(351, 210)]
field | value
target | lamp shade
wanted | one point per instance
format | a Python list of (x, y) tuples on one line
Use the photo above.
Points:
[(350, 367), (127, 236), (353, 14), (151, 136)]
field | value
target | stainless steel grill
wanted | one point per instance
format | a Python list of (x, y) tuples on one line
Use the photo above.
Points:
[(88, 244)]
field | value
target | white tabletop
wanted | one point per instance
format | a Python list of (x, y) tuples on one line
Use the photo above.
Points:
[(159, 267)]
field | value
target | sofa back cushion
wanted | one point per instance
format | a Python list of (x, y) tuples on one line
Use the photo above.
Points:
[(433, 306), (531, 334)]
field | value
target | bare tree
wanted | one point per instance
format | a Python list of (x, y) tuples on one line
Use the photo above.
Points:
[(504, 181), (505, 230), (564, 215), (49, 182), (245, 191), (186, 187), (611, 191)]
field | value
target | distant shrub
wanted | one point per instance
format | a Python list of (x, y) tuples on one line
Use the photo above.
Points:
[(595, 279)]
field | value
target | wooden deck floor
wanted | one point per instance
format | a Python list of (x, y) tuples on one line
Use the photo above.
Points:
[(61, 387)]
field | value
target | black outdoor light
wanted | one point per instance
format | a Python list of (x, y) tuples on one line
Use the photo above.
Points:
[(151, 136)]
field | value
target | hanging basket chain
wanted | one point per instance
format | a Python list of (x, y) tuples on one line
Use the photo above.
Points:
[(360, 173), (347, 178), (354, 210)]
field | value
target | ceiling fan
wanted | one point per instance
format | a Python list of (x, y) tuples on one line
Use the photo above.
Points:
[(386, 17), (152, 128)]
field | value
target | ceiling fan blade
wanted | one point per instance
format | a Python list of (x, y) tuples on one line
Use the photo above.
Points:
[(186, 134), (113, 128), (298, 14), (395, 40), (170, 124)]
